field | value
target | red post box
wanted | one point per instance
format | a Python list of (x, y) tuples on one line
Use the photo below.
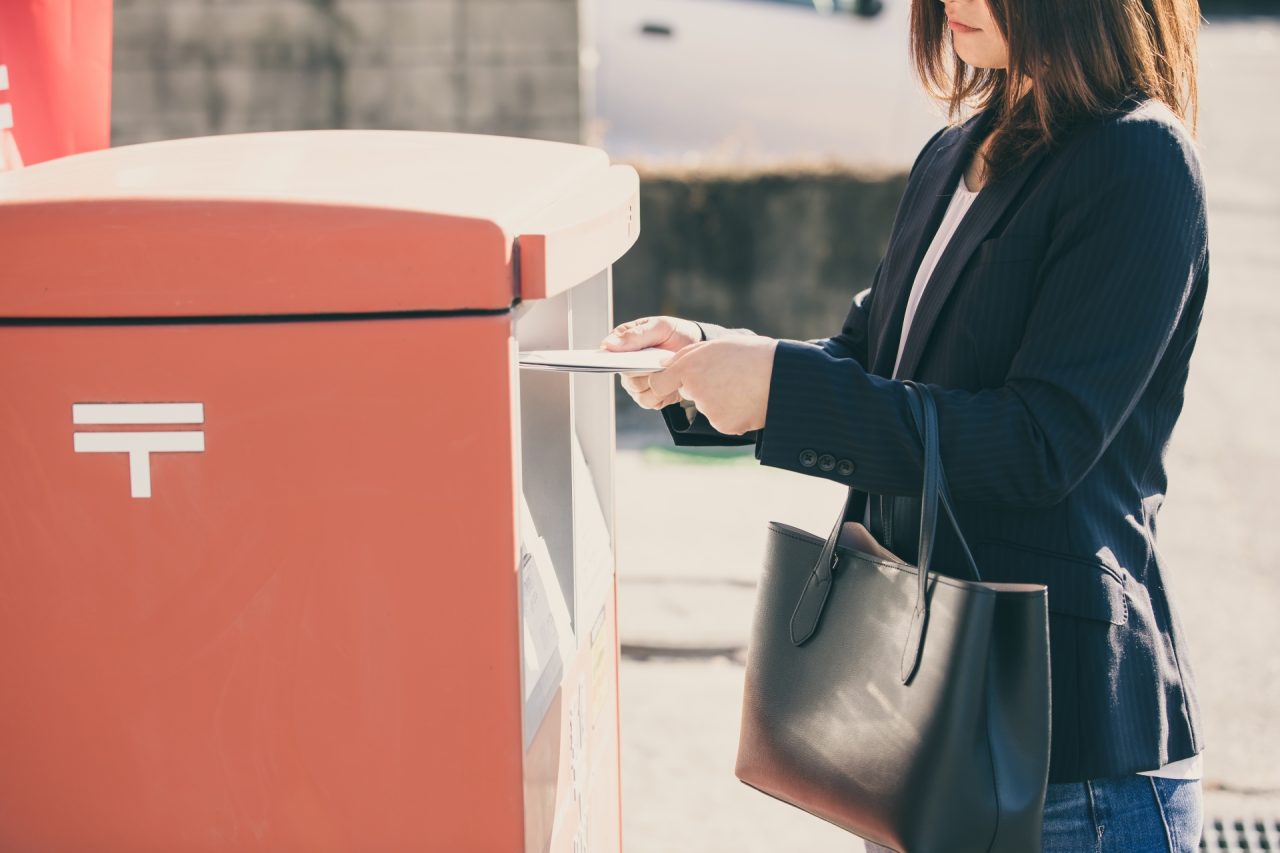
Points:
[(266, 454)]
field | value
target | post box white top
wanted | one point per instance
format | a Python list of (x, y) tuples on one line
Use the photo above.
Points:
[(304, 222)]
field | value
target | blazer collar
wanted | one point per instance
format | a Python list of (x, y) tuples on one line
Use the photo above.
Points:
[(944, 170)]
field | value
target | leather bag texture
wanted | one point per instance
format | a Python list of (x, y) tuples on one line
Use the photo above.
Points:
[(907, 706)]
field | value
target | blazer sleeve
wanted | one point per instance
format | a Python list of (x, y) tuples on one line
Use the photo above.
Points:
[(1126, 252)]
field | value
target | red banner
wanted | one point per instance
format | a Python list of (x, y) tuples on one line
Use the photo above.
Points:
[(55, 79)]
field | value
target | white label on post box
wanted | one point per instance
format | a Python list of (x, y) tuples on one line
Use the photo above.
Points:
[(547, 638), (142, 443), (6, 110)]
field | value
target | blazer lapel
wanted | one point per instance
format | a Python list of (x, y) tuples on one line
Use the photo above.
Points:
[(977, 223), (921, 212)]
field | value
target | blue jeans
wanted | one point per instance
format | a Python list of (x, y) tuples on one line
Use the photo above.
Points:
[(1127, 814)]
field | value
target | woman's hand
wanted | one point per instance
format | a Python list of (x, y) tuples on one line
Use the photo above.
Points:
[(670, 333), (727, 379)]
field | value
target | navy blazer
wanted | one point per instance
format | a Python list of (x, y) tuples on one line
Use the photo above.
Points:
[(1055, 333)]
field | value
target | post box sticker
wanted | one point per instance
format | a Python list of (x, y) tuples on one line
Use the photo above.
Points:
[(10, 158), (139, 444), (6, 110)]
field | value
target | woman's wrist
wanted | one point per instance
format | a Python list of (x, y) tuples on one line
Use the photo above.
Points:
[(711, 331)]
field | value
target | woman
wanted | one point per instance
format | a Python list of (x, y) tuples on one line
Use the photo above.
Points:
[(1045, 274)]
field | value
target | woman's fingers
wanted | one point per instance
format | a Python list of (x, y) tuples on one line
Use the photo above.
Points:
[(639, 334), (652, 400), (662, 388), (668, 381), (634, 384), (630, 324), (634, 335), (638, 388), (669, 333), (643, 393)]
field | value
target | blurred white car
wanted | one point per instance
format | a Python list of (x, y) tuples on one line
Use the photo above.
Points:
[(757, 82)]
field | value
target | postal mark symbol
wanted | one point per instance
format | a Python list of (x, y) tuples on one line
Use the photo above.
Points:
[(139, 444)]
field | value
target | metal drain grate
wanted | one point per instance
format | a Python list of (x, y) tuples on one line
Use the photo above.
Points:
[(1240, 836)]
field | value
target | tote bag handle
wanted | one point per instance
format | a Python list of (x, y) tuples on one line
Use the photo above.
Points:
[(804, 620)]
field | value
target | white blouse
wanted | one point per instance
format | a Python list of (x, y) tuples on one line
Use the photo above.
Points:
[(961, 201)]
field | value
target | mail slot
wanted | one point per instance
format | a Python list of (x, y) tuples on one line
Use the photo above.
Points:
[(293, 556)]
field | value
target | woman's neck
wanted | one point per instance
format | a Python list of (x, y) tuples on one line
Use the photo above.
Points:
[(975, 173)]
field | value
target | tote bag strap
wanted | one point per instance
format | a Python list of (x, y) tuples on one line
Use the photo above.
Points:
[(934, 492), (918, 407)]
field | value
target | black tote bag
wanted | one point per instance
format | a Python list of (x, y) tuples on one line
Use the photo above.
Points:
[(906, 706)]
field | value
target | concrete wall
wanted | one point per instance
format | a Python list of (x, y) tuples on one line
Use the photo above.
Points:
[(781, 253), (196, 67)]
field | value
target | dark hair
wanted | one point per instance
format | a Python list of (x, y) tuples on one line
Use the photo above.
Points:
[(1083, 60)]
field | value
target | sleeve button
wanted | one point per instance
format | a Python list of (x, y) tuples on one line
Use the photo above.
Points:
[(845, 467), (808, 458), (826, 462)]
